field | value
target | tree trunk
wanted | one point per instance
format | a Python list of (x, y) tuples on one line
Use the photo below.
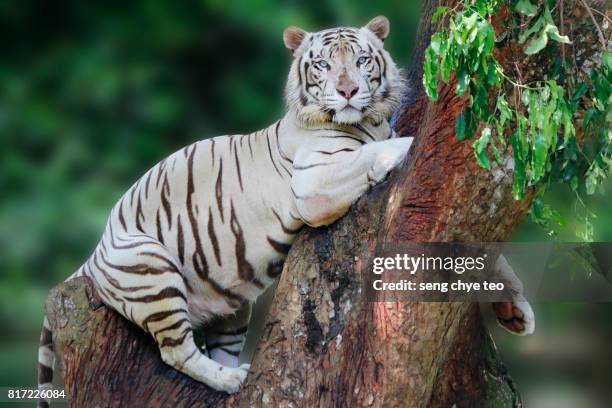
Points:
[(323, 343)]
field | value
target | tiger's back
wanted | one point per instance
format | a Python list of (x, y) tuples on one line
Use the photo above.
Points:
[(204, 203)]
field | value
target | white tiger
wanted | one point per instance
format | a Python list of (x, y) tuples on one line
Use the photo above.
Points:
[(205, 231)]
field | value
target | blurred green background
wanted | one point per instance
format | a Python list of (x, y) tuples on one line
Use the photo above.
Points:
[(94, 93)]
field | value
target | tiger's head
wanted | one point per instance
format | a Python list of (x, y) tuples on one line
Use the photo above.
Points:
[(342, 75)]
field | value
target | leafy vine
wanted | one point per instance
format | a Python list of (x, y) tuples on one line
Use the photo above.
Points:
[(537, 121)]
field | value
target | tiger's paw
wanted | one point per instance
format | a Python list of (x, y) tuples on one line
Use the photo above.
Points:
[(517, 316), (232, 378), (391, 155)]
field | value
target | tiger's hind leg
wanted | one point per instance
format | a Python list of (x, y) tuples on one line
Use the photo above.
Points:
[(225, 337), (139, 278)]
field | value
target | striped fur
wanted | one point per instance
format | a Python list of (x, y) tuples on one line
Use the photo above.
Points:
[(198, 237)]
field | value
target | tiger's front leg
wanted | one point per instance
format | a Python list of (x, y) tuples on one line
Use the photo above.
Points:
[(324, 190)]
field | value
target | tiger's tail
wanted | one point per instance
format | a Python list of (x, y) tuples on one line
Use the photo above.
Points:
[(46, 358)]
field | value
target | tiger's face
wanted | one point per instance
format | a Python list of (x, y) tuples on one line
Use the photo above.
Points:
[(342, 75)]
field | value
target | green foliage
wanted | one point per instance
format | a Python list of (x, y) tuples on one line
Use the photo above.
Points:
[(542, 28), (538, 119)]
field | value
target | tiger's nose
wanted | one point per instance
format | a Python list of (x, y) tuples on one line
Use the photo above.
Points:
[(348, 90)]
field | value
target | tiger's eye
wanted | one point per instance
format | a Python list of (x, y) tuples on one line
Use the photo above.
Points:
[(361, 61), (323, 64)]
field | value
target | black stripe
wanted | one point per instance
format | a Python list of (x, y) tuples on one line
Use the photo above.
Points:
[(300, 71), (281, 247), (170, 342), (173, 326), (250, 147), (166, 293), (161, 168), (165, 202), (310, 166), (180, 241), (159, 316), (162, 258), (199, 260), (190, 356), (238, 169), (219, 189), (121, 218), (114, 282), (45, 374), (139, 213), (149, 173), (233, 353), (46, 339), (286, 230), (282, 154), (245, 269), (213, 237), (270, 152), (365, 131), (334, 152), (233, 299), (343, 137), (223, 344), (139, 269), (160, 237), (132, 194), (297, 197)]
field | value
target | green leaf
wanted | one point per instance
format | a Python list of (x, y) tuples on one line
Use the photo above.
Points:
[(435, 43), (537, 44), (480, 148), (486, 37), (518, 184), (574, 183), (505, 114), (440, 11), (584, 229), (536, 27), (525, 7), (588, 116), (606, 58), (519, 142), (491, 74), (579, 92), (590, 183), (495, 151), (540, 156), (447, 65), (461, 125), (469, 25), (430, 73), (463, 81), (553, 32)]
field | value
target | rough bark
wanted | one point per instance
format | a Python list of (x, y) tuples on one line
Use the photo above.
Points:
[(107, 361), (323, 343)]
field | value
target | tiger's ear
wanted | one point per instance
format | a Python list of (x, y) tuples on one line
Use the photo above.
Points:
[(293, 37), (379, 26)]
